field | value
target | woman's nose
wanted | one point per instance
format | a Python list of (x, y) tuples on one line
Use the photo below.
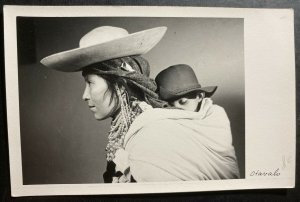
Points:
[(86, 95)]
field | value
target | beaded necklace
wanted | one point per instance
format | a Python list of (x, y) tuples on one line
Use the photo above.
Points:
[(121, 123)]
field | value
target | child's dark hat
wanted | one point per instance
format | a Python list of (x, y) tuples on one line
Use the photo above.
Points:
[(178, 80)]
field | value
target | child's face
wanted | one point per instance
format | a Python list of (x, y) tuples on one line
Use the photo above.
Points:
[(189, 104)]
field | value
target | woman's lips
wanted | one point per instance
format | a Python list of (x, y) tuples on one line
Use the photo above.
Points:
[(91, 107)]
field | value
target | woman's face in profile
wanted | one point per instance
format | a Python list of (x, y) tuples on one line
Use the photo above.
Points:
[(97, 96)]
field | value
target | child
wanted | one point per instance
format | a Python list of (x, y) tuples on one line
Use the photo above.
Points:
[(209, 126), (179, 86)]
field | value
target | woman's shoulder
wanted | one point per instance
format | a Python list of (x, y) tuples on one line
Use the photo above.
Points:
[(152, 124), (163, 135), (168, 118), (157, 123), (153, 116)]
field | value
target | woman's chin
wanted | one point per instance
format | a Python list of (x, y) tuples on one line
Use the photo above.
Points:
[(100, 118)]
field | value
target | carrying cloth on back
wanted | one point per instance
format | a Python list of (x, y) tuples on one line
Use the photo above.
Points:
[(187, 146)]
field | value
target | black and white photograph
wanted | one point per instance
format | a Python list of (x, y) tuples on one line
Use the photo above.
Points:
[(142, 101)]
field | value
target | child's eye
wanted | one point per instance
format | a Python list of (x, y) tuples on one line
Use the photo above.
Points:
[(183, 101)]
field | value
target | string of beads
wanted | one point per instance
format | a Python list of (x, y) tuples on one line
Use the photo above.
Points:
[(121, 123)]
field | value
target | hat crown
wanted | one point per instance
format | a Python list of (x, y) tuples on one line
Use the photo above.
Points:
[(101, 35), (177, 78)]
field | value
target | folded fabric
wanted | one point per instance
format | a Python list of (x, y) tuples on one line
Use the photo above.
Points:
[(176, 145)]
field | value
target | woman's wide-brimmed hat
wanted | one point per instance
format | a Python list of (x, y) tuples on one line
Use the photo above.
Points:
[(104, 43), (179, 80)]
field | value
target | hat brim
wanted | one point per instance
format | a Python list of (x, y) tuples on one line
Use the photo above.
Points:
[(168, 95), (133, 44)]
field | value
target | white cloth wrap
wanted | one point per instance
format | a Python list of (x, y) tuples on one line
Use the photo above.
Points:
[(173, 145)]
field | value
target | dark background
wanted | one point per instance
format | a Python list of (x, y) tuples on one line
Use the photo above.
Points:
[(250, 195), (61, 142)]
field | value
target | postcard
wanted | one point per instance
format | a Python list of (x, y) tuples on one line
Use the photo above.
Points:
[(132, 100)]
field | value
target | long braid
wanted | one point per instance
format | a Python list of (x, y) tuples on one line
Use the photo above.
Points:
[(121, 123)]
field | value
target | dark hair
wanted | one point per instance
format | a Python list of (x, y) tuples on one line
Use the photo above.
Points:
[(133, 92), (131, 72)]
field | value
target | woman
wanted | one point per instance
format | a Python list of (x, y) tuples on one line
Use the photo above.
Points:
[(146, 142), (119, 88)]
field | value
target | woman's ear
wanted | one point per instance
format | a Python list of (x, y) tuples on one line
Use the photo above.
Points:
[(121, 85)]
